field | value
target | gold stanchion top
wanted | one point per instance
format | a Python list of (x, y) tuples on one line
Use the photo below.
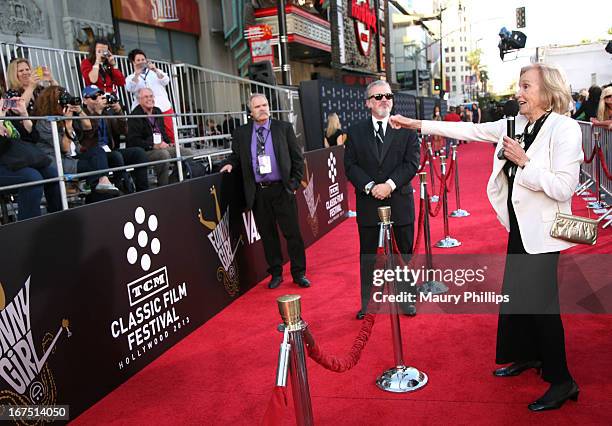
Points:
[(423, 177), (290, 309), (384, 214), (443, 159)]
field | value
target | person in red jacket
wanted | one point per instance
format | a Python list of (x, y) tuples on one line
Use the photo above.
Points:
[(99, 68), (451, 116)]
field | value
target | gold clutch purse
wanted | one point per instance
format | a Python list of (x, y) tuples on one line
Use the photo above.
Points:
[(575, 229)]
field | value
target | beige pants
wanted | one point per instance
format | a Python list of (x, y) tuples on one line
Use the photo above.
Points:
[(161, 170)]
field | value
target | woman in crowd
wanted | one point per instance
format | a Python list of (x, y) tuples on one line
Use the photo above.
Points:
[(588, 109), (604, 111), (534, 181), (476, 113), (437, 142), (22, 162), (334, 135), (146, 74), (99, 68), (56, 101), (27, 83)]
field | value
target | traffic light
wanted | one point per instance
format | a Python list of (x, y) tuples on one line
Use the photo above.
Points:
[(437, 84), (520, 17)]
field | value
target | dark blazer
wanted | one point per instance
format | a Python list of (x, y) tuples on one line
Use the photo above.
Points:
[(399, 162), (140, 132), (116, 128), (288, 156)]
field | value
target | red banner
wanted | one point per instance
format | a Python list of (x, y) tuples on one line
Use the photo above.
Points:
[(178, 15)]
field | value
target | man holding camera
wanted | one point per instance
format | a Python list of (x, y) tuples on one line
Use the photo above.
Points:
[(146, 74), (99, 68), (107, 133), (150, 134)]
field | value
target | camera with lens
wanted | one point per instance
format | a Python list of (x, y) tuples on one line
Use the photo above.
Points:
[(106, 54), (66, 99), (111, 98)]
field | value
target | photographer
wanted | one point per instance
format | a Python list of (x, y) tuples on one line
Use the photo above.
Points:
[(107, 133), (99, 67), (147, 75), (56, 101)]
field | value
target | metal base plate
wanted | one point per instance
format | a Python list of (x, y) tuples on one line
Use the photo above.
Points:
[(448, 242), (401, 379), (600, 211), (589, 198), (459, 213), (433, 287), (434, 199)]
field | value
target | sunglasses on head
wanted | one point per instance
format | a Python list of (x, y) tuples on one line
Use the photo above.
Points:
[(378, 97)]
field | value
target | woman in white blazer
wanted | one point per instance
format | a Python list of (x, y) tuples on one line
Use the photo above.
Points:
[(535, 180)]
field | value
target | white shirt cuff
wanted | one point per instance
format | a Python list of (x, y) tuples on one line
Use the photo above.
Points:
[(391, 184)]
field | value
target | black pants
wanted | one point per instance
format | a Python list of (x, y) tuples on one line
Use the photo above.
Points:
[(368, 245), (128, 156), (91, 160), (274, 206), (529, 326)]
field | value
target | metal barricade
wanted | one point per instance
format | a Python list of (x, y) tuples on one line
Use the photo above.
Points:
[(191, 89), (595, 169)]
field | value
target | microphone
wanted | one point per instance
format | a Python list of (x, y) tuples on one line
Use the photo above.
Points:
[(511, 109)]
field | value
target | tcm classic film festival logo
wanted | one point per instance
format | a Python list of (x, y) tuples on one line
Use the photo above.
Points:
[(152, 315), (27, 373), (334, 204), (311, 202), (220, 239)]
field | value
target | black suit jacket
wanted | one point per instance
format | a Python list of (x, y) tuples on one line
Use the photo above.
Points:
[(288, 157), (140, 132), (399, 162)]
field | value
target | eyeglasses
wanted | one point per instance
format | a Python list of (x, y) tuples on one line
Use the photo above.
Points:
[(609, 96), (378, 97), (93, 97)]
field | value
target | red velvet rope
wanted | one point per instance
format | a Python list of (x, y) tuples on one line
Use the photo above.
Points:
[(588, 161), (602, 161), (424, 155), (340, 365), (435, 212), (420, 226)]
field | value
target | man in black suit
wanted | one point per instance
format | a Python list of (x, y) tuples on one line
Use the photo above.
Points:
[(380, 162), (272, 165)]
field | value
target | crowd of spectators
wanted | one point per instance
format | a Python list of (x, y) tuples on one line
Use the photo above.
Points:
[(95, 133)]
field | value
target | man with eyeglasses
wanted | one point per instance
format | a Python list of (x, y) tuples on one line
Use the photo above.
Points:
[(380, 162), (272, 165), (110, 134)]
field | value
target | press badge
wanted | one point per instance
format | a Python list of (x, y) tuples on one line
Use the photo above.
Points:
[(157, 138), (106, 148), (265, 164)]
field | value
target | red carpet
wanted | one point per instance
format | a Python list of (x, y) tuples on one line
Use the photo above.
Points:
[(224, 372)]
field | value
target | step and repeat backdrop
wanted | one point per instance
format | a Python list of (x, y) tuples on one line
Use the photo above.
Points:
[(90, 296)]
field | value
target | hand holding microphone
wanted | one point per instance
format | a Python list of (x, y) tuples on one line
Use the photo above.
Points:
[(511, 109)]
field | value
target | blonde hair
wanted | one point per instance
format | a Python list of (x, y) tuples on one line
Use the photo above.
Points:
[(601, 110), (333, 124), (13, 81), (555, 90)]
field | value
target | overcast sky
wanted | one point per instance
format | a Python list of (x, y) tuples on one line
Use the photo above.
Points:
[(548, 22)]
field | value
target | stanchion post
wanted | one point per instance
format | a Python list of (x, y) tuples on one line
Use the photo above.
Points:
[(291, 312), (400, 378), (459, 212), (447, 241), (597, 206), (435, 287), (58, 160), (432, 174)]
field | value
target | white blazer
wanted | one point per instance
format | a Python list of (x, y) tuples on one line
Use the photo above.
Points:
[(543, 187)]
